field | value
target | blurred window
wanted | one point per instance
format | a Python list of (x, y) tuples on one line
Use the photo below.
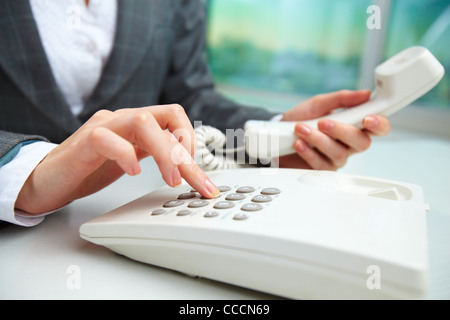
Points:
[(305, 47)]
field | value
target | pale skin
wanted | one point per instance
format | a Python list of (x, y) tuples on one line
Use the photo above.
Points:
[(111, 144), (329, 147)]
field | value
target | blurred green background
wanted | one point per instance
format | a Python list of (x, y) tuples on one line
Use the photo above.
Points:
[(305, 47)]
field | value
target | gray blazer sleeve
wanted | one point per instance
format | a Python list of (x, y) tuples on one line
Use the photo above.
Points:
[(9, 140), (189, 81)]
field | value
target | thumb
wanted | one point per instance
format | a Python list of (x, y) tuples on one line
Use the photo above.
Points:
[(323, 104)]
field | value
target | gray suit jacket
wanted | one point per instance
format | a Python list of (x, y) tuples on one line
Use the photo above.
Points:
[(158, 58)]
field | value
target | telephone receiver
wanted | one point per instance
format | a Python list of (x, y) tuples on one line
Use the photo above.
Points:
[(399, 81)]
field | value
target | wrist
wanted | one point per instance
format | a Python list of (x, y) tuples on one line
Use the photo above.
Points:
[(25, 201)]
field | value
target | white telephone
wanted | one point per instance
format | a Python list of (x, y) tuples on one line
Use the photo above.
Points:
[(297, 234), (293, 233)]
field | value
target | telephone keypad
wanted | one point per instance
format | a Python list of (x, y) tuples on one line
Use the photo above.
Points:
[(239, 201)]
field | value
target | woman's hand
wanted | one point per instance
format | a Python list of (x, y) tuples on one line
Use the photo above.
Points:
[(109, 145), (330, 146)]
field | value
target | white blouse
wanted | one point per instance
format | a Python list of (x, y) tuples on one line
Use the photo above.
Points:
[(78, 41)]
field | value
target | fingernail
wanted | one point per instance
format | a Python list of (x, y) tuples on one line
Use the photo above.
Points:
[(303, 129), (136, 168), (176, 177), (326, 125), (211, 188), (300, 146), (370, 122)]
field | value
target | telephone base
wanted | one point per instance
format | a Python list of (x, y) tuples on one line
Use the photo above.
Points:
[(298, 234)]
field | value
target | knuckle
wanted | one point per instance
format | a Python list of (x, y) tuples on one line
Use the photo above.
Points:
[(316, 100), (344, 92), (341, 157), (140, 118), (94, 138), (315, 109), (177, 109), (333, 167), (126, 149), (102, 114), (323, 165), (122, 111), (339, 164), (95, 135), (365, 144)]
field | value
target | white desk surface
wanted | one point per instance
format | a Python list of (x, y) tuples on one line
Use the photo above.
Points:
[(34, 261)]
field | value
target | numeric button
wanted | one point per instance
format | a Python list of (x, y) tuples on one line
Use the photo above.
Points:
[(198, 204), (187, 195), (261, 198), (211, 214), (235, 196), (223, 205), (251, 207), (245, 189), (240, 216), (183, 213), (158, 212), (270, 191), (173, 203)]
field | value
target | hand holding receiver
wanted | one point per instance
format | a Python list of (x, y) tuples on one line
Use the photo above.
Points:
[(399, 81)]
